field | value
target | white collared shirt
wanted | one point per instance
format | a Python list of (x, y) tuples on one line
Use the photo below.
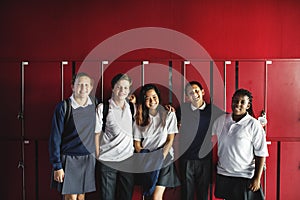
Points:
[(238, 143), (200, 108), (155, 135), (75, 105), (116, 143)]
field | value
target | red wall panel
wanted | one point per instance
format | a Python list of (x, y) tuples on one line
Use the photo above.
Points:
[(11, 177), (11, 100), (270, 173), (290, 172), (283, 99), (230, 84), (42, 93), (71, 30)]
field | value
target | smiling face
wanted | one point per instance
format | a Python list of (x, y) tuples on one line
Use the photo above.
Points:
[(195, 95), (121, 90), (240, 104), (82, 87), (151, 100)]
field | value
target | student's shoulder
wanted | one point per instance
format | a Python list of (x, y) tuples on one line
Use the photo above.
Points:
[(63, 104)]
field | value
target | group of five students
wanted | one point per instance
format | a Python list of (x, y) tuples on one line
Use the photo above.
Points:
[(117, 135)]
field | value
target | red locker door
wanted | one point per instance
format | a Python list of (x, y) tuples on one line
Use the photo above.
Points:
[(218, 84), (269, 177), (42, 93), (230, 83), (177, 83), (11, 99), (290, 170), (283, 99), (11, 177)]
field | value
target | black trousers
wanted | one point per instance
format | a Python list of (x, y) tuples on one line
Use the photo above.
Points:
[(236, 188), (115, 184), (195, 177)]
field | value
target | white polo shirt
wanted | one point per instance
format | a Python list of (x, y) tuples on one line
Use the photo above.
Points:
[(238, 142), (116, 143), (155, 135)]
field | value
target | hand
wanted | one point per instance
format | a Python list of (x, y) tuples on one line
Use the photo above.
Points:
[(132, 98), (170, 108), (165, 155), (254, 185), (59, 175), (97, 153)]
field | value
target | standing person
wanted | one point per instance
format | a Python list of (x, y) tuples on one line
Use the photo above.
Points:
[(242, 150), (114, 144), (197, 118), (155, 129), (71, 143)]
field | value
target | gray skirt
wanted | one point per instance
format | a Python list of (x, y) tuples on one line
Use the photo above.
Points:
[(168, 177), (79, 175)]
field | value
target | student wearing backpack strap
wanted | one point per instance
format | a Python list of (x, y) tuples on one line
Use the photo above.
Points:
[(114, 144), (71, 142)]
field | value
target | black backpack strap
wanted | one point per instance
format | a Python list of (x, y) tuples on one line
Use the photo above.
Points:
[(67, 108), (132, 110), (105, 113)]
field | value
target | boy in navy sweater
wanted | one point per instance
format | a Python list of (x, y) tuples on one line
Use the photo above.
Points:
[(197, 118)]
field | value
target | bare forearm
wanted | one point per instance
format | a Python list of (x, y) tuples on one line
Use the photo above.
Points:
[(168, 144), (97, 144), (259, 166)]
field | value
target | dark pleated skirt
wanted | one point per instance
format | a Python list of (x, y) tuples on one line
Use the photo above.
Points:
[(79, 175), (168, 177)]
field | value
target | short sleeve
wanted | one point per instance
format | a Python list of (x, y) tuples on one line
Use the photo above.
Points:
[(99, 120), (259, 141), (172, 123)]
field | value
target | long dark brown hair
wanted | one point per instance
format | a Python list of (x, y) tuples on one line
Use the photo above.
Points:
[(142, 115)]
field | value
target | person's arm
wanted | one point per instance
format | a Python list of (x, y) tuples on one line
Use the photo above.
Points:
[(168, 144), (55, 143), (259, 165), (98, 129), (97, 145)]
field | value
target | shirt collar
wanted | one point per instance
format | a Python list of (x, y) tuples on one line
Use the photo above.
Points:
[(114, 105), (200, 108), (247, 116), (75, 105)]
